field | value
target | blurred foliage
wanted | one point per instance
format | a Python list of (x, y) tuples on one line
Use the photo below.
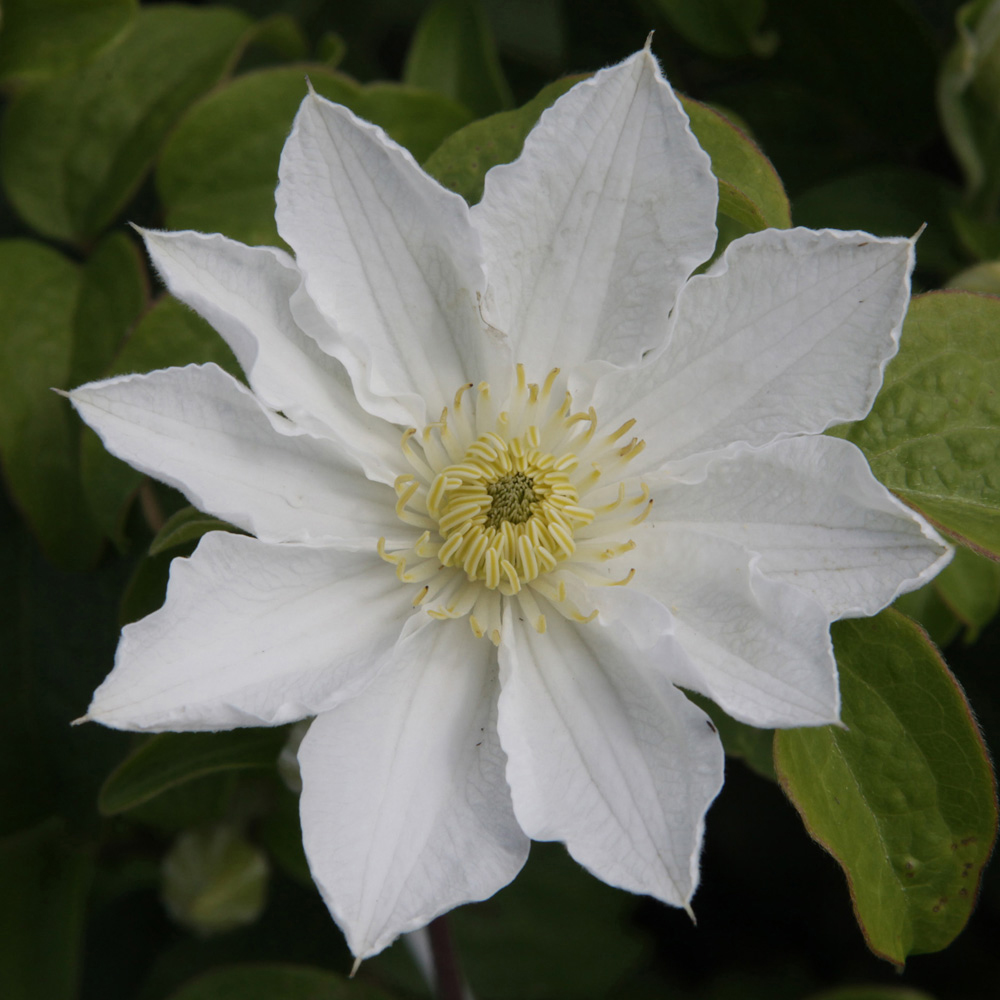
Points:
[(880, 115)]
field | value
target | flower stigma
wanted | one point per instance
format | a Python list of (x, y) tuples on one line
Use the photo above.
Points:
[(516, 503)]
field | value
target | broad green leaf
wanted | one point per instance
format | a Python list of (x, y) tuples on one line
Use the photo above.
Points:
[(750, 191), (45, 879), (76, 147), (926, 607), (219, 169), (187, 525), (170, 759), (42, 38), (903, 797), (453, 53), (113, 296), (462, 160), (168, 335), (933, 435), (969, 99), (889, 201), (982, 278), (724, 28), (755, 747), (214, 880), (39, 450), (970, 587), (275, 982)]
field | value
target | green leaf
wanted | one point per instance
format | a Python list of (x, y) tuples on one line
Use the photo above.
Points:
[(750, 191), (889, 201), (926, 607), (453, 53), (187, 525), (113, 296), (214, 880), (982, 278), (275, 982), (75, 148), (42, 38), (932, 435), (728, 29), (45, 879), (969, 99), (461, 161), (170, 759), (168, 335), (39, 292), (970, 587), (219, 169), (903, 797)]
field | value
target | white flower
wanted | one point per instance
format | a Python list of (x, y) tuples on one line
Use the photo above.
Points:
[(512, 475)]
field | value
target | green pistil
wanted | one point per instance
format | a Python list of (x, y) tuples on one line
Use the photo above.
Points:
[(512, 497)]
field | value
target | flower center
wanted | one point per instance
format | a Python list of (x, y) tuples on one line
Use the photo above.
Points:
[(512, 498), (507, 511), (520, 503)]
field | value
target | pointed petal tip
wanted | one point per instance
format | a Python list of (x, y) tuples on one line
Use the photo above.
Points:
[(690, 913), (59, 392), (355, 967), (648, 47), (82, 720)]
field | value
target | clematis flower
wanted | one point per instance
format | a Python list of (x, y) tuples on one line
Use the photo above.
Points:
[(511, 477)]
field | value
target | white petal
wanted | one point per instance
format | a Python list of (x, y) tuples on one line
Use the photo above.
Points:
[(591, 232), (253, 634), (758, 647), (405, 809), (789, 333), (819, 519), (390, 258), (606, 755), (245, 293), (201, 431)]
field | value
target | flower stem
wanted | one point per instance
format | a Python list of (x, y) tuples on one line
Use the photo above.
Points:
[(447, 975)]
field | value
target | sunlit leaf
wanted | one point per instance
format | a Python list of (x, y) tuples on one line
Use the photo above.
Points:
[(218, 170), (461, 161), (453, 53), (933, 435), (903, 797), (750, 190), (42, 38), (76, 147), (167, 760)]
